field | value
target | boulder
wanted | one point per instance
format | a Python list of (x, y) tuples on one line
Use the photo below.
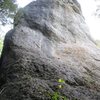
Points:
[(49, 54)]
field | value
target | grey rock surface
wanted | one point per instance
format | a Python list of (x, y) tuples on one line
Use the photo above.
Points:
[(50, 41)]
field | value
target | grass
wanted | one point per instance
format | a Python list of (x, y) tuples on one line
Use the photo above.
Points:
[(57, 96), (1, 45)]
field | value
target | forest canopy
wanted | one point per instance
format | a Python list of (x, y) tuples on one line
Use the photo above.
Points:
[(8, 9)]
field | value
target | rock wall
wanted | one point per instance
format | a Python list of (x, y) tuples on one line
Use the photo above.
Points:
[(50, 43)]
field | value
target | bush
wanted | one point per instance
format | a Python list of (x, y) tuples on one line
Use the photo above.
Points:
[(1, 45)]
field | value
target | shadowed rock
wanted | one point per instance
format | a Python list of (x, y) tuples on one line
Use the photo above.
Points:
[(50, 41)]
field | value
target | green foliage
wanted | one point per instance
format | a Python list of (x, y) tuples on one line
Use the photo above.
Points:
[(57, 96), (18, 16), (61, 80), (8, 4), (1, 45), (8, 9)]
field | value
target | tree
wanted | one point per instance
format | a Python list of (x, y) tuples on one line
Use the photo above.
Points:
[(97, 12), (8, 9)]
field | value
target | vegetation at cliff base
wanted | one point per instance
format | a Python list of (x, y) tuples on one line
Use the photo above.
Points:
[(1, 45)]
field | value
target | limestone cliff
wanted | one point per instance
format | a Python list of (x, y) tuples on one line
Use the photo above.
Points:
[(50, 42)]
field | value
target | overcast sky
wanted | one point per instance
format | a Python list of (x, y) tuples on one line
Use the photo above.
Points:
[(23, 3), (88, 9)]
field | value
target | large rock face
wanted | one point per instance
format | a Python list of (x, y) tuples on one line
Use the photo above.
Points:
[(50, 43)]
